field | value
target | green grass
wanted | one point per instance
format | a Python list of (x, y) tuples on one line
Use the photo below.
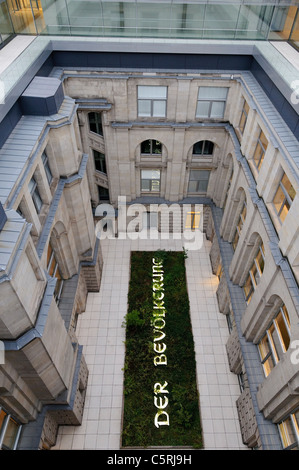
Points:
[(140, 373)]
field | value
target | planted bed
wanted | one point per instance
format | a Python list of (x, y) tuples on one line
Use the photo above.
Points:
[(161, 403)]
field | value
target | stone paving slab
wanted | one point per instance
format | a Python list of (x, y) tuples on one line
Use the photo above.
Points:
[(101, 333)]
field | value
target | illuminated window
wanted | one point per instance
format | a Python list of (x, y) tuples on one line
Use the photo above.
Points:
[(289, 431), (53, 270), (150, 181), (95, 123), (211, 102), (192, 220), (240, 224), (244, 116), (151, 147), (37, 200), (204, 147), (9, 431), (284, 197), (276, 340), (260, 150), (254, 274), (152, 101)]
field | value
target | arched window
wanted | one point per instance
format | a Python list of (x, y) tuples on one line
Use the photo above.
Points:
[(151, 147), (54, 271), (95, 123), (275, 341), (203, 147), (239, 225), (255, 273)]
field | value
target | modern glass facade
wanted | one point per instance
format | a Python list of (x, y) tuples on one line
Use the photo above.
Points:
[(185, 19)]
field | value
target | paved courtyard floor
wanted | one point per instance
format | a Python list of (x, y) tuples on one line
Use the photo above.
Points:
[(101, 333)]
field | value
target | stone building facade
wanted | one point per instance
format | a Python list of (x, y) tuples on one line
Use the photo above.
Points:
[(173, 136)]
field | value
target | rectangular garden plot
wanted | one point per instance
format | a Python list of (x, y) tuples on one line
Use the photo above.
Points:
[(161, 403)]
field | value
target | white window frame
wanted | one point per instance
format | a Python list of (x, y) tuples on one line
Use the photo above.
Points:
[(210, 102), (151, 190), (153, 100), (35, 194)]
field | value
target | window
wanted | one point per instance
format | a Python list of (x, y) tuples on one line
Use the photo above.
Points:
[(198, 181), (103, 193), (150, 181), (240, 224), (289, 431), (260, 150), (204, 147), (37, 200), (151, 147), (152, 101), (244, 116), (276, 340), (95, 123), (192, 220), (211, 102), (254, 274), (53, 270), (47, 167), (9, 431), (99, 161), (284, 197)]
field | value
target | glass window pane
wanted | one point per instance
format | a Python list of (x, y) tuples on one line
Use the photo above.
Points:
[(203, 109), (152, 92), (202, 185), (159, 108), (3, 415), (144, 108), (156, 147), (212, 93), (192, 187), (287, 432), (208, 147), (198, 148), (10, 434), (145, 146), (279, 199), (288, 186), (217, 110), (283, 331)]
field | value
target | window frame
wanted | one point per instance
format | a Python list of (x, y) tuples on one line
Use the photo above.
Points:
[(273, 353), (4, 427), (211, 102), (45, 160), (251, 277), (284, 432), (97, 123), (60, 281), (244, 115), (241, 221), (152, 100), (151, 190), (102, 160), (151, 145), (35, 195), (287, 198), (197, 191), (204, 144), (260, 146)]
